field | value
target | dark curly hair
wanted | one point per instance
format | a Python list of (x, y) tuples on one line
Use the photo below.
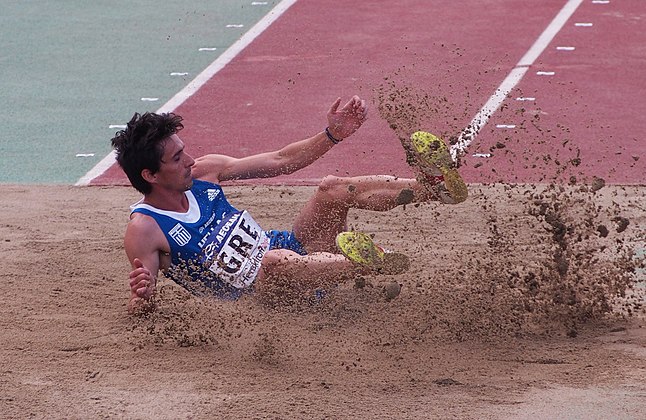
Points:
[(140, 145)]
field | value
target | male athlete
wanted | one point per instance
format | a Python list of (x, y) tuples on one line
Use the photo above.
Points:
[(185, 227)]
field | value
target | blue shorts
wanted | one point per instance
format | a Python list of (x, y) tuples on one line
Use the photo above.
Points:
[(283, 239)]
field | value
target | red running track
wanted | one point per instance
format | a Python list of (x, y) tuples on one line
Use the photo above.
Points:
[(587, 117)]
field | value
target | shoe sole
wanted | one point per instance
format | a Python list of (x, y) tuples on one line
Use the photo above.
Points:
[(359, 248), (433, 153)]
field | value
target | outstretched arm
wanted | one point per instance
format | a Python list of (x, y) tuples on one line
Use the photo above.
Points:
[(342, 123)]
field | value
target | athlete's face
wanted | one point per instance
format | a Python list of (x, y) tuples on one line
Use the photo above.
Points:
[(175, 168)]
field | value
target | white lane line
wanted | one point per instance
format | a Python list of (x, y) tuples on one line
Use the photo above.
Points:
[(505, 125), (583, 24), (565, 48), (525, 98), (600, 1), (471, 131), (149, 99), (545, 73), (199, 81), (207, 49)]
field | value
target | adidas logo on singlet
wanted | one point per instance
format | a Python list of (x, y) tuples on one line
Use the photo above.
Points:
[(212, 193)]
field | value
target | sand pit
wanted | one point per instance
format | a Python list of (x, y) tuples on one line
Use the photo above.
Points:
[(510, 310)]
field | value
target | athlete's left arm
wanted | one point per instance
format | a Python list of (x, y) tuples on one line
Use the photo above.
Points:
[(342, 123)]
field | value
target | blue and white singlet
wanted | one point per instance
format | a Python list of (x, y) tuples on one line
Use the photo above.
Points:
[(213, 244)]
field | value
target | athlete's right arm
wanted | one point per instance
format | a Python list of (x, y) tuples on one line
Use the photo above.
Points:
[(143, 242)]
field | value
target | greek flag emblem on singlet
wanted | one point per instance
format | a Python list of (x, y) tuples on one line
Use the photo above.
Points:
[(180, 234)]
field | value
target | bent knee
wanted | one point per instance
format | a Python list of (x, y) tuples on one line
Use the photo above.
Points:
[(336, 186), (276, 259), (329, 182)]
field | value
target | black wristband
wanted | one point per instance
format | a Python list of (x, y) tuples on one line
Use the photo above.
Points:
[(331, 137)]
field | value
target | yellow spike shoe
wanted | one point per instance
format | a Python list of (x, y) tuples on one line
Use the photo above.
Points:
[(359, 248), (437, 170)]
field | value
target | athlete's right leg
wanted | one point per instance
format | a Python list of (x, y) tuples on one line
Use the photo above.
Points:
[(325, 214)]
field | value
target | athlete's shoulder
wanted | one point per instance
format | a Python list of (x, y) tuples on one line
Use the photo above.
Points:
[(142, 223), (143, 235), (209, 167), (143, 226)]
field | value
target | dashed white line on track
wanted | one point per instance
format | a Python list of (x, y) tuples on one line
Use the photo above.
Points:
[(513, 78), (200, 80)]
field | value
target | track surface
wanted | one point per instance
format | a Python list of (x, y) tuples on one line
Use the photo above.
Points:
[(586, 116), (72, 68)]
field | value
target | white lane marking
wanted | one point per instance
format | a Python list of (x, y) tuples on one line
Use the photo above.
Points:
[(199, 81), (84, 154), (258, 3), (545, 73), (600, 1), (207, 49), (583, 24), (179, 73), (119, 126), (480, 119), (522, 98), (565, 48), (232, 25), (481, 155), (149, 99), (505, 125)]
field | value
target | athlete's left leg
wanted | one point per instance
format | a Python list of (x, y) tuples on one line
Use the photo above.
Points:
[(325, 214), (283, 272)]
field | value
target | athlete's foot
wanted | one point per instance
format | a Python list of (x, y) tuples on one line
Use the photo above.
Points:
[(436, 170), (359, 248)]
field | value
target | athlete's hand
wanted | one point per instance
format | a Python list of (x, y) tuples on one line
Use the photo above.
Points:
[(142, 282), (345, 121)]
